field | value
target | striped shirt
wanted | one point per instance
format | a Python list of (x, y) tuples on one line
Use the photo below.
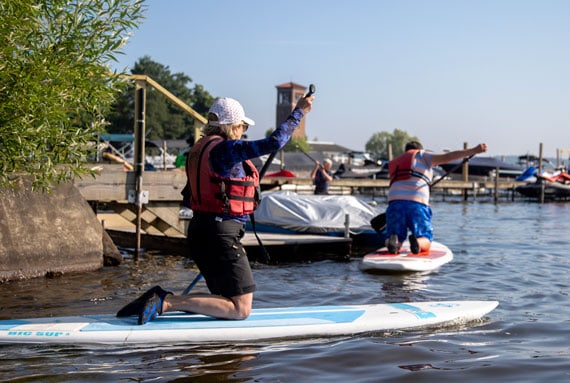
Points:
[(414, 188)]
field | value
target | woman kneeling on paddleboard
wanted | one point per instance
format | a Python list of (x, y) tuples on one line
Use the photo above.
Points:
[(408, 196), (224, 191)]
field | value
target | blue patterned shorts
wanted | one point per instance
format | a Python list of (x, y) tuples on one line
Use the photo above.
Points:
[(403, 215)]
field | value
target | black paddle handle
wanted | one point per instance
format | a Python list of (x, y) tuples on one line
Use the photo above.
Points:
[(308, 155), (312, 89)]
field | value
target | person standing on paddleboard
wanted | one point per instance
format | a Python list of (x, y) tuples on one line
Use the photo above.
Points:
[(224, 188), (408, 196)]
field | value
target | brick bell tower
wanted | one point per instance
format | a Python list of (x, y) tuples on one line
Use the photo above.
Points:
[(287, 96)]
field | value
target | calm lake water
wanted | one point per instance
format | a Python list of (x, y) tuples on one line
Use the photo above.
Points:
[(516, 253)]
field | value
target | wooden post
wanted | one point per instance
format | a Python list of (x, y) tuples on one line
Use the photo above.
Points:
[(140, 100), (197, 130), (540, 159), (496, 184), (540, 172), (164, 154), (465, 173)]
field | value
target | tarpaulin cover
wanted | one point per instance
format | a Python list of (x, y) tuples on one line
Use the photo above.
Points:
[(315, 213)]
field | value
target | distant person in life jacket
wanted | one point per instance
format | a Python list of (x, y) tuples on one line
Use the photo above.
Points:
[(223, 192), (408, 197)]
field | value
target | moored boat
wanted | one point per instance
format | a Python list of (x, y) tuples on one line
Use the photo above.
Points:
[(486, 166), (334, 215), (552, 187)]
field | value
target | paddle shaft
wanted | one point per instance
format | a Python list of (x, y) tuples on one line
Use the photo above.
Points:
[(451, 170), (309, 156), (192, 284), (312, 90)]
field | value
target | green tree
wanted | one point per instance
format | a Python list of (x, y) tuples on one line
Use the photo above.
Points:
[(164, 120), (55, 82), (379, 142), (297, 144)]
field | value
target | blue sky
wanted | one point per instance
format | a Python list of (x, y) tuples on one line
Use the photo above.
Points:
[(446, 71)]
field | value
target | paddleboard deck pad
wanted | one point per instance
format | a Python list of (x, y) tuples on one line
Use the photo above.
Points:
[(262, 324), (381, 259)]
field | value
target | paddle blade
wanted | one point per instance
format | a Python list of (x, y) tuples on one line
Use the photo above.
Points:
[(378, 223)]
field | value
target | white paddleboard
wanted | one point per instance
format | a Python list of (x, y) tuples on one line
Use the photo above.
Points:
[(272, 323), (381, 259)]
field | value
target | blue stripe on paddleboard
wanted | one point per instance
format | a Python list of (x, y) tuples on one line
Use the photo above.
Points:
[(418, 312), (259, 318), (9, 323)]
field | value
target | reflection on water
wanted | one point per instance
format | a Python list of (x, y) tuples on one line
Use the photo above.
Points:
[(515, 253), (405, 287), (198, 363), (418, 367)]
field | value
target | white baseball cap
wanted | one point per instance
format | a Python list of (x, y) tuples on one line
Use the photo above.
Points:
[(228, 111)]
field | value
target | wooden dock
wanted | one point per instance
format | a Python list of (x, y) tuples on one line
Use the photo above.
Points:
[(495, 188), (161, 228), (113, 185)]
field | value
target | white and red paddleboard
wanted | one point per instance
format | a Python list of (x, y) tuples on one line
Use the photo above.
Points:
[(381, 259)]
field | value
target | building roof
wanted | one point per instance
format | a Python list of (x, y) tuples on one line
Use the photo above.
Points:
[(322, 146), (291, 85)]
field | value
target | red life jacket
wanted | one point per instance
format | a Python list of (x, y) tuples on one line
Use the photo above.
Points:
[(400, 168), (213, 193)]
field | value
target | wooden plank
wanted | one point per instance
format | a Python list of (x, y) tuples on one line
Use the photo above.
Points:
[(168, 213), (162, 219), (113, 184), (181, 104)]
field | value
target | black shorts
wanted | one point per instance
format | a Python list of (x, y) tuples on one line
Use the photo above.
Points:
[(216, 248)]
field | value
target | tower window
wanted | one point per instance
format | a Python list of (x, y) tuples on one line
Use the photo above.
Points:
[(284, 99)]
